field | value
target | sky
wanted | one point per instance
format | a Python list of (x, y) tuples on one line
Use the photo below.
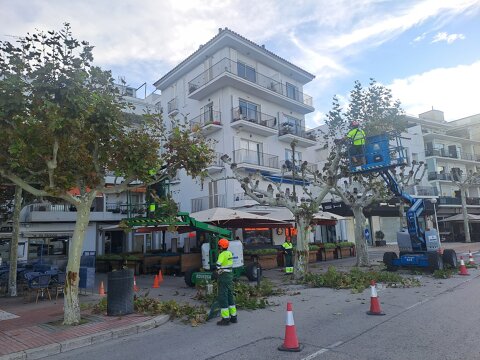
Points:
[(426, 51)]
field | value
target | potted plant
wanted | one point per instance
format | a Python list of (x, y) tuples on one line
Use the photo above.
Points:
[(312, 253), (379, 235), (346, 248), (267, 258), (330, 251), (108, 262)]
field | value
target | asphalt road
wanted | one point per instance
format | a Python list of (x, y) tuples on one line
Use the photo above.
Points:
[(436, 321)]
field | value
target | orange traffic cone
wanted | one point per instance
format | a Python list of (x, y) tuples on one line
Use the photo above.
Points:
[(135, 287), (101, 291), (471, 260), (155, 282), (291, 341), (463, 268), (374, 303), (160, 276)]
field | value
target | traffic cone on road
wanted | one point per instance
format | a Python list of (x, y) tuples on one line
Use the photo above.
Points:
[(374, 303), (135, 287), (291, 341), (463, 268), (101, 290), (471, 260), (160, 276), (155, 283)]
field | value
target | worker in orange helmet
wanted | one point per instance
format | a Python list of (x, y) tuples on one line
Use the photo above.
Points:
[(226, 299)]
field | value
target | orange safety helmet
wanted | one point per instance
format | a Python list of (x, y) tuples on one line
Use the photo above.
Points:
[(223, 243)]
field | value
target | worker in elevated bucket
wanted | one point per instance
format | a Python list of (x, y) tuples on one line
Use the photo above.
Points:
[(357, 138), (226, 299)]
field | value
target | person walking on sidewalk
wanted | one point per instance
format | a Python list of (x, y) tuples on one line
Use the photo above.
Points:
[(226, 299), (288, 251)]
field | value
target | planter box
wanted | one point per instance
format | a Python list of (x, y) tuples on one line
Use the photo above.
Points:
[(190, 261), (312, 256), (108, 265), (134, 265), (328, 254), (151, 263), (380, 243), (347, 251), (265, 261)]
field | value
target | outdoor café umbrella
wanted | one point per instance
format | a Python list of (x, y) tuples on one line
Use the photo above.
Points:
[(232, 218)]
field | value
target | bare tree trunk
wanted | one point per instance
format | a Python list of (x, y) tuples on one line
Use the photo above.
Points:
[(301, 249), (71, 315), (360, 241), (12, 277), (466, 227)]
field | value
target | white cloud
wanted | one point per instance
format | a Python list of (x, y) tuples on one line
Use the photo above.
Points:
[(452, 90), (420, 37), (443, 36)]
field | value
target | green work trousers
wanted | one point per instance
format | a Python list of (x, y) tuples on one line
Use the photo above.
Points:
[(288, 262), (226, 298)]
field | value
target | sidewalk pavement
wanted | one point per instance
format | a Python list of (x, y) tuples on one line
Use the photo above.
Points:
[(30, 330)]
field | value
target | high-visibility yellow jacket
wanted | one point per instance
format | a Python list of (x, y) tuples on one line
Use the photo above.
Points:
[(357, 136), (225, 261)]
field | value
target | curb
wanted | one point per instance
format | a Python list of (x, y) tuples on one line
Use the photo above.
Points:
[(79, 342)]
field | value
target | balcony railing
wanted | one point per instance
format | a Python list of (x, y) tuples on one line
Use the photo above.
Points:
[(452, 154), (288, 165), (229, 66), (292, 126), (418, 190), (208, 202), (172, 106), (207, 118), (255, 158), (439, 176), (217, 161), (257, 117)]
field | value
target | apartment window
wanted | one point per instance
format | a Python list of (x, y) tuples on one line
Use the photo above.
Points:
[(292, 91), (291, 125), (248, 110), (252, 152), (246, 72), (207, 113), (289, 159)]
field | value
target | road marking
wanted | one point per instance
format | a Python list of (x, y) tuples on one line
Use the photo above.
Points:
[(321, 351), (315, 354)]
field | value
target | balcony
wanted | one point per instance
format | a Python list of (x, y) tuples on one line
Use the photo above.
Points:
[(67, 213), (250, 159), (226, 73), (432, 176), (216, 165), (172, 107), (450, 200), (254, 122), (287, 167), (288, 132), (208, 202), (421, 191), (452, 155), (209, 122)]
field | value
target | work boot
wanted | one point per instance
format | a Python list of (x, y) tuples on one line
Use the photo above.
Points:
[(223, 322), (233, 319)]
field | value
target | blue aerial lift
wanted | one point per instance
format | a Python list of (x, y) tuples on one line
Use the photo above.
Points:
[(418, 245)]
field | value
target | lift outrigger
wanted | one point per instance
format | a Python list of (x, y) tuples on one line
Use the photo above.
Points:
[(418, 246)]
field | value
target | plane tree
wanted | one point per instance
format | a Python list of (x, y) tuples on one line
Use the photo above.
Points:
[(303, 198), (65, 125), (377, 113)]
